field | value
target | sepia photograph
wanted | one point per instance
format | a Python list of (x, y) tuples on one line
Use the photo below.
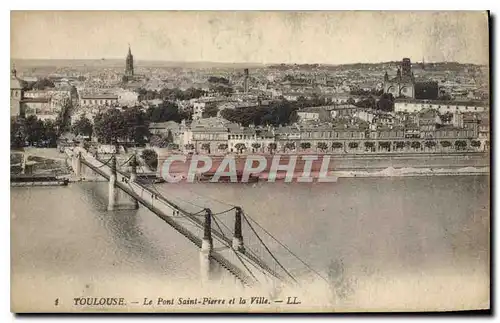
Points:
[(249, 161)]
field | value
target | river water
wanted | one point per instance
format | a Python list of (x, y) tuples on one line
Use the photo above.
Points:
[(402, 243)]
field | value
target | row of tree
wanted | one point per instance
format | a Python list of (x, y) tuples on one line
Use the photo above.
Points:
[(167, 111), (36, 132), (33, 131), (275, 114), (170, 94)]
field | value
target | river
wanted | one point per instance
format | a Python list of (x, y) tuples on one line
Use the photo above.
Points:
[(401, 243)]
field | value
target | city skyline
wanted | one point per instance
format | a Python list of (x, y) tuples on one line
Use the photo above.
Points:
[(253, 37)]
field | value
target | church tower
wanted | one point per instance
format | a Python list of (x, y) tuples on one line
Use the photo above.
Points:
[(129, 63)]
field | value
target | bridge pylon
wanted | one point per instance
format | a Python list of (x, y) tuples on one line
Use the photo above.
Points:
[(78, 164), (133, 178), (112, 189), (207, 264), (238, 236)]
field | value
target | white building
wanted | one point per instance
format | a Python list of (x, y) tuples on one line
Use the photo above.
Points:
[(98, 99), (413, 106), (127, 98), (365, 115), (308, 115)]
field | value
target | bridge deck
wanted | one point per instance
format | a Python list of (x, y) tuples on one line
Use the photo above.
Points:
[(247, 267)]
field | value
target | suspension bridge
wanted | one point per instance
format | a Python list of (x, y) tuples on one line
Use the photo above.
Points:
[(229, 240)]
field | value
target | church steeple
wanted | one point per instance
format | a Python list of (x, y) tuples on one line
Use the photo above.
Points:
[(129, 63)]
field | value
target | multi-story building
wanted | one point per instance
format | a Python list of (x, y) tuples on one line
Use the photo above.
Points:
[(88, 100), (413, 106)]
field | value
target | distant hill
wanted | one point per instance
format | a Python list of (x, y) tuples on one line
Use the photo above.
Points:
[(113, 63), (118, 63)]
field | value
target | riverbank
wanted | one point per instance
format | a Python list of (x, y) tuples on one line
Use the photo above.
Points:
[(379, 165)]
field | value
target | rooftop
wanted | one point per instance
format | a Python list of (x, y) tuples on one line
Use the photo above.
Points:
[(100, 96)]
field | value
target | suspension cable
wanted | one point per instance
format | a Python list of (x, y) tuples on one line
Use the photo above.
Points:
[(267, 249), (219, 213), (287, 249), (127, 160), (234, 251), (178, 198)]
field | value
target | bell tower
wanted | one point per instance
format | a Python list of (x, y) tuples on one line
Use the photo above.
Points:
[(129, 63)]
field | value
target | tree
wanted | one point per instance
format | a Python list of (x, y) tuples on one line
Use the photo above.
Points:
[(167, 111), (337, 145), (445, 118), (369, 144), (369, 103), (240, 147), (158, 141), (415, 145), (385, 145), (63, 120), (272, 147), (17, 132), (460, 144), (136, 125), (110, 126), (290, 145), (278, 113), (475, 143), (189, 146), (206, 147), (386, 102), (445, 143), (222, 146), (353, 145), (210, 111), (170, 137), (173, 146), (400, 144), (430, 144), (50, 133), (150, 158), (305, 145), (215, 79), (82, 126), (34, 130), (322, 145), (256, 145)]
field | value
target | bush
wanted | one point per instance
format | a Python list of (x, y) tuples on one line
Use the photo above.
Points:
[(460, 144), (384, 144), (445, 143), (475, 143), (369, 144), (430, 144), (353, 145), (322, 145), (337, 145), (305, 145), (415, 145), (150, 158), (400, 144)]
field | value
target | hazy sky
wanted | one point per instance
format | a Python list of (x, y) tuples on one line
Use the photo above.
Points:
[(257, 37)]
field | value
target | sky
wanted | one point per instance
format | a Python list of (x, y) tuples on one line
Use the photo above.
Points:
[(327, 37)]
